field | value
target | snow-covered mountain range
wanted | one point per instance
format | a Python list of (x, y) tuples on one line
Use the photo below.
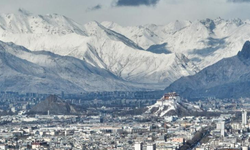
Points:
[(95, 44), (44, 72), (228, 78), (149, 55), (202, 41)]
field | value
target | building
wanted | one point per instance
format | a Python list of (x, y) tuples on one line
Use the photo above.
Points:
[(138, 146), (244, 117), (178, 140), (222, 130), (174, 97), (151, 146), (3, 147)]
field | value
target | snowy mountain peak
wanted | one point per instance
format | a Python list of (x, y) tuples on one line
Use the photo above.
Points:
[(212, 23), (110, 25), (176, 25), (114, 48), (26, 23), (237, 21), (44, 72), (94, 28), (209, 24)]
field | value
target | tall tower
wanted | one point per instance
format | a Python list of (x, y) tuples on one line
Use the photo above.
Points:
[(222, 130), (244, 117)]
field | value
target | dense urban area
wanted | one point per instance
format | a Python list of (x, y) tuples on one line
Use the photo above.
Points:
[(122, 123), (124, 75)]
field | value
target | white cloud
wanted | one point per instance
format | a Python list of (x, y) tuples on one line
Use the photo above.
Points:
[(162, 13)]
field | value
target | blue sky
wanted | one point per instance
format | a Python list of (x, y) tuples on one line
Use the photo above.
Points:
[(133, 12)]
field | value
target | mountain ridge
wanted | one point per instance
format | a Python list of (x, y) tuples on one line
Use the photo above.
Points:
[(98, 46), (44, 72), (227, 78), (153, 55)]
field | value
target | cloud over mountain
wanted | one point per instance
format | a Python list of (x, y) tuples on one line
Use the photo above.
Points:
[(96, 7), (136, 2), (238, 1)]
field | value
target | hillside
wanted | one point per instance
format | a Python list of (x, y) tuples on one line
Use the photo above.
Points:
[(228, 78), (44, 72), (204, 42), (171, 104), (53, 105), (95, 44), (150, 55)]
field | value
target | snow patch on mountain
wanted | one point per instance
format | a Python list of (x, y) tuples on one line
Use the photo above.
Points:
[(44, 72), (228, 78), (205, 42), (97, 45), (26, 23)]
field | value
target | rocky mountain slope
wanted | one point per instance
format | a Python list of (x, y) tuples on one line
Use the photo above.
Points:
[(228, 78), (44, 72), (97, 45), (153, 55), (205, 42)]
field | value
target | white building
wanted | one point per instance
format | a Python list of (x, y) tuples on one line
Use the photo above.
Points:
[(221, 126), (138, 146), (236, 126), (244, 117), (3, 147), (222, 130), (170, 97), (151, 147), (218, 125)]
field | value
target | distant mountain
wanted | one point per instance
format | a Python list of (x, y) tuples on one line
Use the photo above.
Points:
[(54, 106), (228, 78), (25, 23), (97, 45), (204, 42), (152, 55), (44, 72)]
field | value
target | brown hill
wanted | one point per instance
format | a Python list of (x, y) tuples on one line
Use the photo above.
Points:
[(54, 105)]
